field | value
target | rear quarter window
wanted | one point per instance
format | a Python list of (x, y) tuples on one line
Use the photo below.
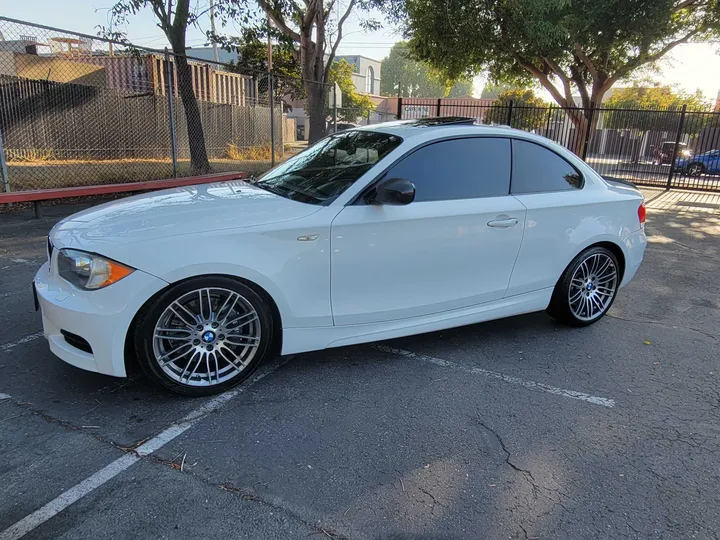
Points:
[(536, 169)]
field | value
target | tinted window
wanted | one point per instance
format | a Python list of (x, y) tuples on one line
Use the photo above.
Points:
[(457, 169), (537, 170), (323, 171)]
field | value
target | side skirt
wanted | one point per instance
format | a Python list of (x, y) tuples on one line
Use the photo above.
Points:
[(297, 340)]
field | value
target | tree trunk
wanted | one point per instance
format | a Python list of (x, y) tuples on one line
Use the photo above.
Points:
[(316, 95), (199, 163)]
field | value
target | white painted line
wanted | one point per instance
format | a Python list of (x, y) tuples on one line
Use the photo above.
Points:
[(77, 492), (532, 385), (4, 396), (26, 339)]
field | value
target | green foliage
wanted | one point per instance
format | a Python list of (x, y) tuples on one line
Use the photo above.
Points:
[(581, 46), (354, 104), (654, 98), (252, 60), (525, 110), (403, 76)]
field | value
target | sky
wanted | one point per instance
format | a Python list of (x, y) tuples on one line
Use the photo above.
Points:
[(690, 66)]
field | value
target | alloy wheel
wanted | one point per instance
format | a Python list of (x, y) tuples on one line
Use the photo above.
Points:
[(593, 286), (206, 336)]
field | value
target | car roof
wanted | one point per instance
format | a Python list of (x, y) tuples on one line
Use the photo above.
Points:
[(440, 126)]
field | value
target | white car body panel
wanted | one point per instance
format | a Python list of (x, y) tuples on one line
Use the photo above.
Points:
[(386, 260), (342, 273)]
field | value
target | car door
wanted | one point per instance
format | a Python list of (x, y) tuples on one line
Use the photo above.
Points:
[(559, 211), (454, 246), (713, 162)]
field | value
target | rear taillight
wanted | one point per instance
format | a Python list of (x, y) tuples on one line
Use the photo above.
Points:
[(642, 212)]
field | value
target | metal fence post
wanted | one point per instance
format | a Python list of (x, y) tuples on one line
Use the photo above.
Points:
[(171, 112), (439, 104), (678, 135), (509, 116), (399, 109), (3, 165), (271, 98), (586, 143)]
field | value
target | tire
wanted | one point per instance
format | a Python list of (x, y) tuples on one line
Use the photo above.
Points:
[(587, 288), (203, 336), (695, 169)]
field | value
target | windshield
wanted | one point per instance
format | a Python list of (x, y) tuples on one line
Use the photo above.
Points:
[(323, 171)]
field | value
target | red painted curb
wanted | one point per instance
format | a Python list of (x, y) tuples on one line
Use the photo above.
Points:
[(63, 193)]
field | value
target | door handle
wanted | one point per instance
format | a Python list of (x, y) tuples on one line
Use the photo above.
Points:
[(503, 223)]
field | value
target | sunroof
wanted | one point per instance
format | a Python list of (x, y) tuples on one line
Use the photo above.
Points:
[(441, 121)]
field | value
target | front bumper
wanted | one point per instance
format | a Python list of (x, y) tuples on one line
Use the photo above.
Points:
[(635, 244), (100, 317)]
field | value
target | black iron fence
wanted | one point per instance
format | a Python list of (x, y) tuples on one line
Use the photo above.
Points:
[(670, 148)]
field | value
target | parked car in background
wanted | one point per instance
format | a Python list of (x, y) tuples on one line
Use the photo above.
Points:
[(370, 234), (705, 163), (664, 153)]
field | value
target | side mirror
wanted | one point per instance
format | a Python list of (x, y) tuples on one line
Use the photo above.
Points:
[(396, 191)]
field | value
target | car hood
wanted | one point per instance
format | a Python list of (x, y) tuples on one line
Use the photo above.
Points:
[(174, 212)]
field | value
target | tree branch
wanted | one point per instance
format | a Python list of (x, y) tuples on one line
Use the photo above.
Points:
[(685, 4), (560, 74), (335, 45), (586, 61), (644, 57), (278, 21), (582, 87), (544, 80)]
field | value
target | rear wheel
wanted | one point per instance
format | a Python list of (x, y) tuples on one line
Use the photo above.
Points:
[(695, 169), (203, 335), (587, 288)]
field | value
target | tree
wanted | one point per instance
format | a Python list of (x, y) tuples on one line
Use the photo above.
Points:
[(252, 60), (644, 109), (584, 46), (173, 19), (528, 120), (650, 100), (403, 76), (310, 29), (354, 104)]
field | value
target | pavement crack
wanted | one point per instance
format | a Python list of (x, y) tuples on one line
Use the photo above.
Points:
[(659, 323), (250, 496), (67, 425), (526, 473)]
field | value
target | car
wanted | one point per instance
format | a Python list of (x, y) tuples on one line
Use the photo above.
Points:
[(705, 163), (370, 234)]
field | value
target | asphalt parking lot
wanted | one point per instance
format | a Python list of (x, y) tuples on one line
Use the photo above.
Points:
[(514, 429)]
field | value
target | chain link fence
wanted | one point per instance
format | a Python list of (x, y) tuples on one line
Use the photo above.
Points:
[(78, 110)]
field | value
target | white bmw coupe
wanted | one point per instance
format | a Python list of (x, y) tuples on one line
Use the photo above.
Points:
[(370, 234)]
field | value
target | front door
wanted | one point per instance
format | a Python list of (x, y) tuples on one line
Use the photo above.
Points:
[(453, 247)]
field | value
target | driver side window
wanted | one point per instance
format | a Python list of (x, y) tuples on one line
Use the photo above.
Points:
[(466, 168)]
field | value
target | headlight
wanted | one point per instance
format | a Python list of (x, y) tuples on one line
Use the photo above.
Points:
[(686, 153), (89, 271)]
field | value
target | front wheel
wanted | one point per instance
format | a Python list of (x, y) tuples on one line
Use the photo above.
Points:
[(204, 335), (587, 288)]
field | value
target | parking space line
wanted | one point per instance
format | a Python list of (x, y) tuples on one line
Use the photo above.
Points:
[(12, 344), (77, 492), (532, 385)]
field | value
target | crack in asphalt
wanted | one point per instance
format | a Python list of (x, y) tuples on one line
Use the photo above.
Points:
[(525, 472), (660, 323)]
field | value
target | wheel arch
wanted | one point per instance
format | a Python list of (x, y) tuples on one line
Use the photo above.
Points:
[(131, 362)]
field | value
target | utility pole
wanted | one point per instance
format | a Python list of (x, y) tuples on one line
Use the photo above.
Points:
[(271, 96), (212, 29)]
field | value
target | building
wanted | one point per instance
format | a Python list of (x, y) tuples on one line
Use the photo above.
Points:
[(366, 77), (366, 73), (206, 53)]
